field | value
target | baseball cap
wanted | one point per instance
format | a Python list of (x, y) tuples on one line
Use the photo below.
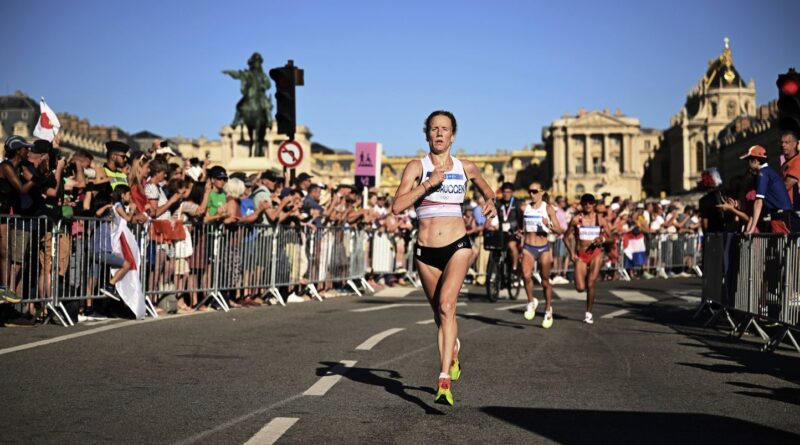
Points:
[(755, 151), (14, 143), (217, 172), (41, 146), (271, 176), (117, 146), (166, 151), (588, 197), (303, 176)]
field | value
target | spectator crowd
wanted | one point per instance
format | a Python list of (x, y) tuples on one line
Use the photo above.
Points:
[(58, 214)]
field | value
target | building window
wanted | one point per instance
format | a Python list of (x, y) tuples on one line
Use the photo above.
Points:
[(597, 187), (579, 189), (24, 114), (597, 165), (4, 115), (580, 166), (699, 158), (617, 160), (731, 109), (647, 145)]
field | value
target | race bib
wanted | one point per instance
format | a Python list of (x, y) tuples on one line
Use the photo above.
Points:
[(506, 227)]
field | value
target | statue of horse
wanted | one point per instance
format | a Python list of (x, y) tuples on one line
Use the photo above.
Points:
[(254, 109)]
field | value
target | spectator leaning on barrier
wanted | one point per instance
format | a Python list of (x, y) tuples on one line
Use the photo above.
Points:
[(791, 173), (12, 186), (113, 169), (772, 200), (216, 199)]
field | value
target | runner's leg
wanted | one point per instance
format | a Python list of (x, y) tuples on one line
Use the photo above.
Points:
[(527, 273), (451, 282), (545, 264), (591, 282)]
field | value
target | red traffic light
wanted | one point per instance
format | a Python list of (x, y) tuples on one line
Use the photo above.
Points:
[(789, 87)]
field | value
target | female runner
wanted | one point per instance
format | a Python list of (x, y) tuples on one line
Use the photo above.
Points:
[(592, 232), (436, 185), (539, 219)]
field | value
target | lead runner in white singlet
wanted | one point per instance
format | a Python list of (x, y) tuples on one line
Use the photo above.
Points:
[(436, 186)]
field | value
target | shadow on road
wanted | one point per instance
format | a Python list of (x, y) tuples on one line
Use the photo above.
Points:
[(391, 384), (786, 395), (568, 426), (492, 321)]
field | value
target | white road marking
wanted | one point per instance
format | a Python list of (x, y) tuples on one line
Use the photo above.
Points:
[(326, 382), (689, 299), (272, 431), (123, 324), (394, 292), (570, 294), (375, 339), (616, 313), (632, 296), (513, 306), (429, 321), (396, 305)]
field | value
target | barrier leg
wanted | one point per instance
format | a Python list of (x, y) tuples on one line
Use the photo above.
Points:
[(698, 271), (412, 278), (366, 285), (623, 274), (354, 287), (221, 301), (776, 341), (66, 314), (55, 312), (277, 295), (148, 306), (313, 290)]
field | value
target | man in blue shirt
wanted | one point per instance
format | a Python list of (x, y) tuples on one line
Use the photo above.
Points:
[(771, 197)]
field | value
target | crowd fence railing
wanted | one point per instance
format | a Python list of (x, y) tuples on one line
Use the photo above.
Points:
[(753, 282), (49, 263)]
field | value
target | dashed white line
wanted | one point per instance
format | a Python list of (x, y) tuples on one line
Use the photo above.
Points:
[(570, 294), (272, 431), (396, 305), (632, 296), (392, 292), (689, 298), (428, 321), (513, 306), (375, 339), (326, 382), (616, 313)]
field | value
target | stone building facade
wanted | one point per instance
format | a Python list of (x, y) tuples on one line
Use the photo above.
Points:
[(720, 97), (596, 152)]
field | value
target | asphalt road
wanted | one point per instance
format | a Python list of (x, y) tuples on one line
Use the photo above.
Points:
[(363, 370)]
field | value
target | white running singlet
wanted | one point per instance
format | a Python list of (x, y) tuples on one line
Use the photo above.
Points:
[(534, 219), (446, 199)]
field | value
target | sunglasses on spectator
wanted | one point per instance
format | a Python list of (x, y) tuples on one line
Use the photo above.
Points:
[(533, 191)]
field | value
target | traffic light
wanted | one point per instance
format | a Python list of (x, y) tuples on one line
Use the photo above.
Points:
[(789, 101), (284, 78)]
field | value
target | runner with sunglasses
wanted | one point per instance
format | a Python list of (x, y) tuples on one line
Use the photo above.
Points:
[(539, 220), (436, 186), (592, 231)]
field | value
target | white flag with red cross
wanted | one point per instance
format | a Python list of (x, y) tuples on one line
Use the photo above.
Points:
[(48, 125)]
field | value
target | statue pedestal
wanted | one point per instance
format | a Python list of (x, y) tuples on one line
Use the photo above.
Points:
[(252, 165)]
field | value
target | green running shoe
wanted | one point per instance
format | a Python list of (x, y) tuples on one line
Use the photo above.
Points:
[(455, 370), (548, 319), (444, 395), (530, 309)]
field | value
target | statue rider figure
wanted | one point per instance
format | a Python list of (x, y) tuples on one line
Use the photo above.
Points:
[(254, 109)]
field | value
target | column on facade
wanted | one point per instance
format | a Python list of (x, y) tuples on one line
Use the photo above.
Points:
[(605, 153), (629, 153), (560, 165), (587, 138)]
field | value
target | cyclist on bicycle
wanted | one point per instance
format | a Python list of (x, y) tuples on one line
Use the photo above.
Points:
[(508, 221), (539, 221)]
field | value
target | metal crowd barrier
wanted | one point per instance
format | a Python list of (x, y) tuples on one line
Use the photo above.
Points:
[(49, 263), (663, 256), (756, 279)]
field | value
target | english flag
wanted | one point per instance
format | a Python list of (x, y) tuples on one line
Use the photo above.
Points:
[(48, 125)]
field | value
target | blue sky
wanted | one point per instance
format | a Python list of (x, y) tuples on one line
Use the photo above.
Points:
[(375, 69)]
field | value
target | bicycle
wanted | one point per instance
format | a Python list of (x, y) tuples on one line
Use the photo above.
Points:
[(499, 271)]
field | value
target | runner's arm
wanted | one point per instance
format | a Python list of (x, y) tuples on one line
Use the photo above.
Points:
[(407, 192), (474, 175)]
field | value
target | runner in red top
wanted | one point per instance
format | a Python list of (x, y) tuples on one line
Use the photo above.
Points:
[(587, 254)]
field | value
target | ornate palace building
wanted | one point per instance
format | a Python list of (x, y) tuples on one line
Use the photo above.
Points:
[(596, 152), (720, 98)]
